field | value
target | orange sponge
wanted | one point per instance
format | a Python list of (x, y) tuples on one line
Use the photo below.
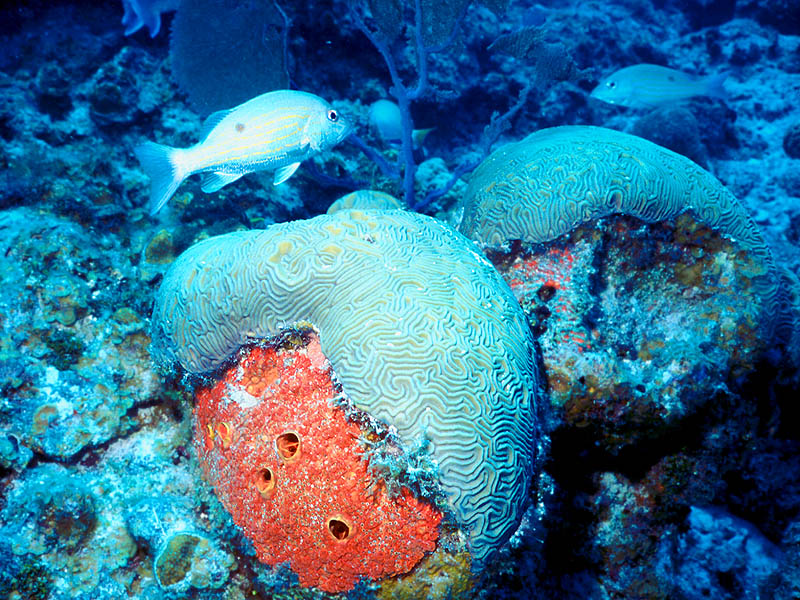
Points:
[(288, 466)]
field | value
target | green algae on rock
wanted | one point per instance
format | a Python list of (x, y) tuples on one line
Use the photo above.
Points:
[(421, 330)]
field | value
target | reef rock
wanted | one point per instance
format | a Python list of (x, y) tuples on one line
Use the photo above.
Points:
[(73, 355)]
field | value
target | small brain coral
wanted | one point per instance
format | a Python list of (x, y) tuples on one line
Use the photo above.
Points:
[(420, 329), (366, 199), (288, 466)]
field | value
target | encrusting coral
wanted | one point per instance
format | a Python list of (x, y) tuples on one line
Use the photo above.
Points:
[(184, 556), (420, 329)]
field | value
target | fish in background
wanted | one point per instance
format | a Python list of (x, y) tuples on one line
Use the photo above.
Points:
[(145, 13), (653, 86), (385, 118), (275, 131)]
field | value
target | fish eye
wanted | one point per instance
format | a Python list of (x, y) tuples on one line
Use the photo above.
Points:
[(333, 116), (611, 84)]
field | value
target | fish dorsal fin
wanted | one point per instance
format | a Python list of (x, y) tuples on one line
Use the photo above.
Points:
[(212, 121), (284, 173), (218, 180)]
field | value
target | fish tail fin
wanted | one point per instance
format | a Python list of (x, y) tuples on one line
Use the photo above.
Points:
[(165, 169), (715, 86)]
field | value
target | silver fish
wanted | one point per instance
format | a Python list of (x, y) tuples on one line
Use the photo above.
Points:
[(651, 86), (385, 118), (275, 131)]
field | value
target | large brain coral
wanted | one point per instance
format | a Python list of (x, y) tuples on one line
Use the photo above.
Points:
[(649, 287), (555, 179), (549, 183), (421, 331)]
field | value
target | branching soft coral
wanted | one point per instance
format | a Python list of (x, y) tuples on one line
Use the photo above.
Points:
[(430, 28)]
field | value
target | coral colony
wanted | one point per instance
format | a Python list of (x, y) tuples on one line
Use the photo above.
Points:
[(399, 300)]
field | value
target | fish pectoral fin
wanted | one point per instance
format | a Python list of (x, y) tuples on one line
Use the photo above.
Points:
[(308, 142), (308, 138), (218, 180), (284, 173)]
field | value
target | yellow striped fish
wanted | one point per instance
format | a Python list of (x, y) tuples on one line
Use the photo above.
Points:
[(275, 131), (651, 86)]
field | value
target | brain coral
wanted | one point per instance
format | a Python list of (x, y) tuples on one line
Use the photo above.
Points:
[(421, 330), (287, 464), (547, 184), (366, 199)]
